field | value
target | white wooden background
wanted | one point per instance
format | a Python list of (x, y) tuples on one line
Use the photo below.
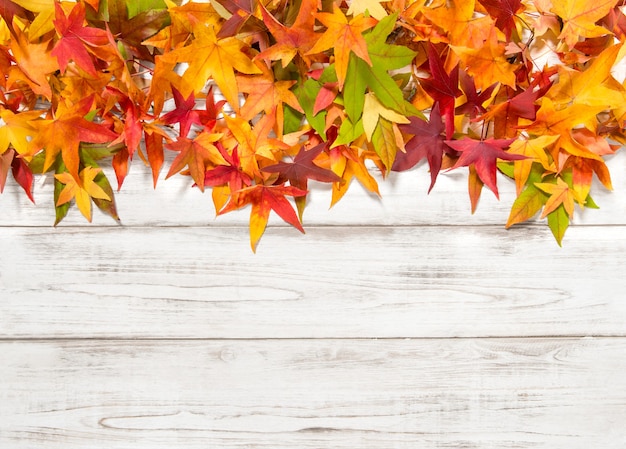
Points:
[(402, 323)]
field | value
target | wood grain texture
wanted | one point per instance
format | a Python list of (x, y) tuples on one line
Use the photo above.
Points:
[(337, 282), (486, 393), (404, 202)]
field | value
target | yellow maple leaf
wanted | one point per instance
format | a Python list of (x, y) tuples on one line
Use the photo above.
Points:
[(580, 17), (82, 190), (560, 193), (210, 57), (373, 110)]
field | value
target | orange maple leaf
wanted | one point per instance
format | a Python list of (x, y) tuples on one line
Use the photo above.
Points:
[(345, 37), (64, 133), (297, 39)]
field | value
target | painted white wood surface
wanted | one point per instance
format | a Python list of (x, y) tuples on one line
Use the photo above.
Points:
[(333, 282), (468, 393), (167, 332)]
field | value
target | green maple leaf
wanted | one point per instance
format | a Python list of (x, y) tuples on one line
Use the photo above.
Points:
[(361, 76)]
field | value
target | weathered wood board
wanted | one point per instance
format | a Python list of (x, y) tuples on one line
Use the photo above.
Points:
[(465, 393)]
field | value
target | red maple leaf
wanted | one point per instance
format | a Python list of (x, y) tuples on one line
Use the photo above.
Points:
[(483, 155), (184, 113), (474, 104), (230, 174), (427, 142), (303, 168), (443, 87), (504, 11), (76, 39)]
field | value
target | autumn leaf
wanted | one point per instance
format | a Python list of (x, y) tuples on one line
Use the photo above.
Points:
[(345, 37), (504, 12), (76, 39), (304, 168), (210, 57), (349, 163), (197, 154), (534, 150), (360, 75), (580, 17), (428, 142), (483, 154), (443, 87), (82, 190), (265, 199), (474, 101), (297, 39), (488, 63), (267, 94), (64, 133), (370, 7), (35, 61), (560, 194), (184, 113), (20, 170)]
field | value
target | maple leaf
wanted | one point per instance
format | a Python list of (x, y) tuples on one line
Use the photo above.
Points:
[(264, 199), (131, 28), (345, 37), (303, 168), (76, 39), (483, 154), (208, 57), (560, 194), (242, 12), (35, 62), (457, 19), (229, 173), (82, 189), (17, 130), (267, 94), (297, 39), (428, 142), (348, 162), (373, 110), (561, 122), (504, 11), (595, 86), (488, 62), (361, 76), (530, 200), (196, 154), (506, 114), (20, 170), (443, 87), (64, 133), (184, 113), (580, 17), (372, 7), (212, 110), (535, 150), (473, 105)]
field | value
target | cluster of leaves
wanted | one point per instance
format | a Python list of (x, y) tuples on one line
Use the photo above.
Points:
[(267, 95)]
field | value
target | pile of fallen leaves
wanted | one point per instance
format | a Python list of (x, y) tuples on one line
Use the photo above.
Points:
[(258, 97)]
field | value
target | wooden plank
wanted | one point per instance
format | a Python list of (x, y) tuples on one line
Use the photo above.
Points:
[(332, 282), (404, 202), (542, 393)]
